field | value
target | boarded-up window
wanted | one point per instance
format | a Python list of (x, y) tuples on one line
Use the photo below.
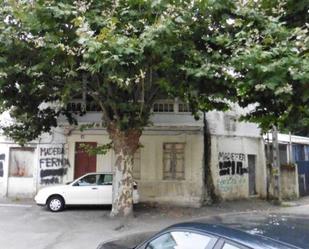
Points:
[(21, 162), (173, 161), (137, 165)]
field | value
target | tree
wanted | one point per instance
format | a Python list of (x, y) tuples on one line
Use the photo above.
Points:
[(124, 54), (272, 66)]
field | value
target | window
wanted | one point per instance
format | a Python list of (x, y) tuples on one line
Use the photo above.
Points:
[(137, 165), (106, 179), (182, 107), (79, 105), (180, 240), (229, 246), (88, 180), (230, 122), (21, 162), (95, 179), (173, 161), (283, 154), (298, 152), (163, 107)]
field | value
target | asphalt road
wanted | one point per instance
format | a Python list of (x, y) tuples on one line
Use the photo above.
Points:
[(29, 226)]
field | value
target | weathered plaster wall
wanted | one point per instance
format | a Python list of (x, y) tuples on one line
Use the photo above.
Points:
[(152, 187), (229, 161), (27, 186), (4, 153), (227, 124), (289, 184)]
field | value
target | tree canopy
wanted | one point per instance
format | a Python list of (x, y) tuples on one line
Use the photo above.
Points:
[(125, 54)]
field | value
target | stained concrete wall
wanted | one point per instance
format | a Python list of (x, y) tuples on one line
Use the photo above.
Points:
[(19, 186), (152, 187), (289, 183), (235, 150), (230, 140), (231, 143)]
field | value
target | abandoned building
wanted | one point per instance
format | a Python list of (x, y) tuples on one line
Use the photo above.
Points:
[(169, 167)]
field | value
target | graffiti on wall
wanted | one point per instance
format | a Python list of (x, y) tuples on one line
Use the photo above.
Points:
[(228, 183), (53, 165), (231, 164), (231, 171), (2, 159)]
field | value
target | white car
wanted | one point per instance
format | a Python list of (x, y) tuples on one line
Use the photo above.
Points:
[(89, 189)]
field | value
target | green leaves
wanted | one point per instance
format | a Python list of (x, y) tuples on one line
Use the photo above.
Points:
[(123, 57)]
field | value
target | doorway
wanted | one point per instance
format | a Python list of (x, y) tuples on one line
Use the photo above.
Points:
[(84, 162), (252, 174)]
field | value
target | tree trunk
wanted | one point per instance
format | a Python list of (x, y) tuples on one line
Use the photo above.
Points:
[(125, 145), (210, 195)]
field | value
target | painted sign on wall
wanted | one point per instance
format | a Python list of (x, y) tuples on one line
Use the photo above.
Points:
[(231, 164), (2, 159), (231, 171), (53, 165)]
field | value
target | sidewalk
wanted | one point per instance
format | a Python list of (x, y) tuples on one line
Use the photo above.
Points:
[(179, 213), (86, 227), (16, 201)]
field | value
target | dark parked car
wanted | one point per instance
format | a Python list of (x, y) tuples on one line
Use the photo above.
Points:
[(200, 235)]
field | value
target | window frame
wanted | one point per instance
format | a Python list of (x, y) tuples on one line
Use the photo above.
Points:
[(168, 102), (174, 177), (75, 183)]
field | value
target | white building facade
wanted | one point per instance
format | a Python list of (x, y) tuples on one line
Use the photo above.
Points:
[(169, 167)]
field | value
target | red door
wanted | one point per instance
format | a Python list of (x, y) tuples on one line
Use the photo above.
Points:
[(84, 163)]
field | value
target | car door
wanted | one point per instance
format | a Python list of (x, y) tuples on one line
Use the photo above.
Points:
[(105, 189), (83, 192), (180, 239)]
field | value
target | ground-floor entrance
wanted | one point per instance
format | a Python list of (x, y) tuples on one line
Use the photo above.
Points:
[(84, 162)]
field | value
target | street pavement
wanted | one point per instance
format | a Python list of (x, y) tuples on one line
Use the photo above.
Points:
[(25, 225)]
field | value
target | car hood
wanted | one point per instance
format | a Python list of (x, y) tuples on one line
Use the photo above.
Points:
[(55, 188), (127, 242)]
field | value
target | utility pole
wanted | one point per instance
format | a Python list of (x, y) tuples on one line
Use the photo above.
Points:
[(268, 165), (276, 165)]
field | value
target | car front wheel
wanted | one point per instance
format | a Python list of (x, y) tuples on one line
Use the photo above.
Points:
[(55, 203)]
